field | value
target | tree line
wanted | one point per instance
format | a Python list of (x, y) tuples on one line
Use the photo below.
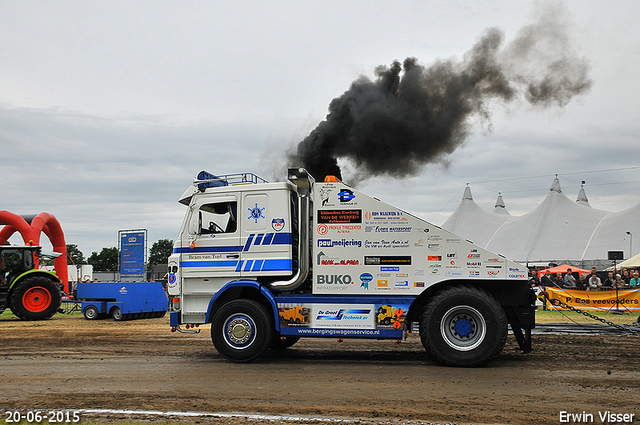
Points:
[(108, 259)]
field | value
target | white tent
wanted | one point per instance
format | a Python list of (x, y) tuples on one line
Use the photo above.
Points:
[(474, 223), (558, 229), (611, 234)]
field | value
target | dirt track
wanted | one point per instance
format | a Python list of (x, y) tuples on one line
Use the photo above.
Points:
[(70, 363)]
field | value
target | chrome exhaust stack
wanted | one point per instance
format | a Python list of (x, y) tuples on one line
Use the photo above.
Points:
[(304, 182)]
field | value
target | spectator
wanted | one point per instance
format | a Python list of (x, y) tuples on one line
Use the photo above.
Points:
[(619, 283), (634, 282), (608, 282), (546, 279), (557, 280), (594, 283), (533, 280), (569, 280), (582, 282), (625, 276)]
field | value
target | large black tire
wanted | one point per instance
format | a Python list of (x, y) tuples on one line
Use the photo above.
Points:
[(242, 330), (35, 298), (283, 342), (463, 326)]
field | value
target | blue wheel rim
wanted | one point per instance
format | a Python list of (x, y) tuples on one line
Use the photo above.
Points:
[(239, 331), (463, 328)]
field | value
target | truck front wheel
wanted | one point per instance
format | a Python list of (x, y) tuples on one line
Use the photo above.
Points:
[(242, 330), (463, 326), (35, 298)]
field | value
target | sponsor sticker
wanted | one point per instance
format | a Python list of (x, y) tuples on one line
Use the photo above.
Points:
[(334, 279), (389, 269), (387, 229), (346, 195), (389, 259), (277, 224), (342, 243), (339, 216), (365, 278)]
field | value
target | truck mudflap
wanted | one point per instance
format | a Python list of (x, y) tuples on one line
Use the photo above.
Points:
[(523, 337), (521, 318)]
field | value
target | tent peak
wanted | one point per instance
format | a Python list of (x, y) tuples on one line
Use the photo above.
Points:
[(500, 207), (582, 197), (555, 186), (467, 193)]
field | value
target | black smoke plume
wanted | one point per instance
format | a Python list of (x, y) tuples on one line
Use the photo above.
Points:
[(411, 115)]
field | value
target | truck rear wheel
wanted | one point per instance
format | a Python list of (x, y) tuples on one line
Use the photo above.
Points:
[(463, 326), (35, 298), (242, 330)]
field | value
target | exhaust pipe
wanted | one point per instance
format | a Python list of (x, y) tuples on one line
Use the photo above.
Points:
[(304, 182)]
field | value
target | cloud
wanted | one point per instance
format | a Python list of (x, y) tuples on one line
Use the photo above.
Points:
[(99, 175)]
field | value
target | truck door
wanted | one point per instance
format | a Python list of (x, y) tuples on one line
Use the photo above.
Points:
[(266, 234), (213, 240)]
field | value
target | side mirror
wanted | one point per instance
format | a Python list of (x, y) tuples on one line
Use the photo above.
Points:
[(194, 220)]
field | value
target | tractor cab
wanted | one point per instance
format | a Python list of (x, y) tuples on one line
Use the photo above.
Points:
[(14, 261)]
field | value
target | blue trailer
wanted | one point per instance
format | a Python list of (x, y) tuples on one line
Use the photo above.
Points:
[(123, 300)]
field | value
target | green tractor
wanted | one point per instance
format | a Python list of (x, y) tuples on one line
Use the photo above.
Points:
[(31, 294)]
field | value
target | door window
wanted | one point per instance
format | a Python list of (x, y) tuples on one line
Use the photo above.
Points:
[(216, 218)]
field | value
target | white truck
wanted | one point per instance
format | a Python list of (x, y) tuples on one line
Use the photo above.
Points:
[(250, 251)]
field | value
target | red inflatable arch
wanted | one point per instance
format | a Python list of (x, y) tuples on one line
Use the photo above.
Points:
[(30, 227)]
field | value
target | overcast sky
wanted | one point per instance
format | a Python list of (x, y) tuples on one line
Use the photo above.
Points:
[(109, 109)]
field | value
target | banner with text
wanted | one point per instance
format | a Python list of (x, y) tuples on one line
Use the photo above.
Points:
[(132, 254), (625, 299)]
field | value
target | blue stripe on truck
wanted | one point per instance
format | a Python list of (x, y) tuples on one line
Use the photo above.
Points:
[(253, 239), (199, 249), (269, 265)]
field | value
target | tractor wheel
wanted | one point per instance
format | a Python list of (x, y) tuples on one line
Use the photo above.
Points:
[(35, 298), (242, 330), (117, 315), (463, 326), (283, 342), (91, 313)]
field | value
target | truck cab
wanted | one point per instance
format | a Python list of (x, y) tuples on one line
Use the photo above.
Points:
[(251, 252), (241, 231)]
